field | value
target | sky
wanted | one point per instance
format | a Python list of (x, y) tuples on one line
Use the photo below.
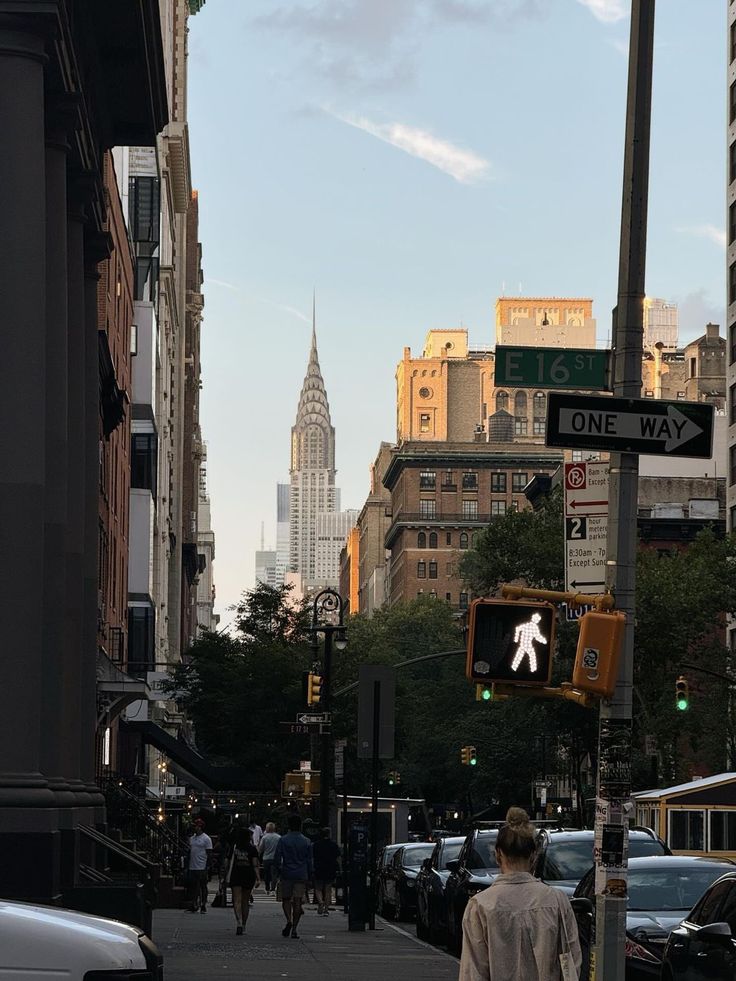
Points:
[(410, 161)]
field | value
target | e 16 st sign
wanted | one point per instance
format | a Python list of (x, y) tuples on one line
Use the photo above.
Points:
[(622, 425), (552, 367)]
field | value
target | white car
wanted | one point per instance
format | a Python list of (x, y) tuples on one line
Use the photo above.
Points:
[(38, 943)]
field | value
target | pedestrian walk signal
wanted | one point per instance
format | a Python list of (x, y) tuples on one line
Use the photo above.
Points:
[(468, 756), (314, 689), (682, 694), (510, 642)]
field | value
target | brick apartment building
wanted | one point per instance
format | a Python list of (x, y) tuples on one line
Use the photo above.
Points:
[(442, 496)]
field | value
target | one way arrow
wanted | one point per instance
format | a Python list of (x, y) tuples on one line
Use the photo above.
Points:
[(577, 582), (588, 504), (674, 429)]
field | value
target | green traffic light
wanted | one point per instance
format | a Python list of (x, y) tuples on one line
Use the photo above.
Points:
[(682, 704), (473, 761), (487, 694)]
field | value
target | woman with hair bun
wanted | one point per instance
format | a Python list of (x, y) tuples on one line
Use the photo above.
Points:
[(519, 929)]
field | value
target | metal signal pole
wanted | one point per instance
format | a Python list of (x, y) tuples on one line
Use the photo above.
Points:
[(614, 742)]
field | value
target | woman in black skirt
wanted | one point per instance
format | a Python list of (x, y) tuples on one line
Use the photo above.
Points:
[(242, 874)]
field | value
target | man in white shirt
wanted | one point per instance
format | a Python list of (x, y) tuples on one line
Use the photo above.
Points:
[(200, 854), (256, 833)]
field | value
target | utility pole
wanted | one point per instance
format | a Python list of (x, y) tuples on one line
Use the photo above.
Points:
[(614, 741)]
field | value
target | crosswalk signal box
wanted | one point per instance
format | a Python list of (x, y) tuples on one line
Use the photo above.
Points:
[(598, 652), (511, 642)]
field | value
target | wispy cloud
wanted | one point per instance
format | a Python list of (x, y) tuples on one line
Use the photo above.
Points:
[(712, 232), (294, 312), (221, 282), (464, 166), (621, 46), (607, 11)]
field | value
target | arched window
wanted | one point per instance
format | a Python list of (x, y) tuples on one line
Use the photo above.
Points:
[(421, 540), (433, 539), (502, 401), (540, 404), (520, 409), (463, 539)]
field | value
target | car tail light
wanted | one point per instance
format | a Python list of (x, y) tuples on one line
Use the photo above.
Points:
[(633, 949)]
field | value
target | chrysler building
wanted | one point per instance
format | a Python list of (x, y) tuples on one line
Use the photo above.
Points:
[(313, 491)]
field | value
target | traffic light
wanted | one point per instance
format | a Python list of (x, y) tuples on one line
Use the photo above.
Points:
[(394, 778), (314, 689), (511, 642), (682, 694), (473, 760), (599, 649), (483, 693), (468, 756)]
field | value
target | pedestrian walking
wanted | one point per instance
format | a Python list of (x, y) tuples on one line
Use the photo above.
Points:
[(294, 864), (325, 856), (519, 927), (200, 857), (242, 875), (267, 851), (256, 832)]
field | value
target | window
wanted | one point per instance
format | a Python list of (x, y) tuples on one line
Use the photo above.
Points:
[(463, 540), (424, 422), (732, 162), (539, 426), (519, 482), (540, 405), (421, 540), (732, 405), (420, 593), (520, 405), (427, 480), (463, 601), (732, 283), (428, 509), (708, 909), (470, 481), (727, 912), (448, 480), (732, 102), (448, 597), (686, 831), (141, 622), (520, 426), (470, 509), (502, 400), (693, 368), (732, 224), (421, 570), (722, 831), (432, 570), (433, 539), (733, 42), (498, 507), (732, 342), (498, 483), (432, 593), (732, 462), (144, 461), (448, 538)]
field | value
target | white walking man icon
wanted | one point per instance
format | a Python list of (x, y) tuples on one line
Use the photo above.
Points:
[(525, 636)]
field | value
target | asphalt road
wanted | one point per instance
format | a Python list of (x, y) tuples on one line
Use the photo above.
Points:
[(198, 947)]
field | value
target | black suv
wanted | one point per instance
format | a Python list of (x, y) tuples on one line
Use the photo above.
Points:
[(472, 871), (563, 857)]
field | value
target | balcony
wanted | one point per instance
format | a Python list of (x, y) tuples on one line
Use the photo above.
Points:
[(447, 520)]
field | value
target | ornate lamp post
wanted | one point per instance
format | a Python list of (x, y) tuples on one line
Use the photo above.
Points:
[(327, 607)]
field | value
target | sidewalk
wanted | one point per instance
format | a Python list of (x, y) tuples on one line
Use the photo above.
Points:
[(197, 948)]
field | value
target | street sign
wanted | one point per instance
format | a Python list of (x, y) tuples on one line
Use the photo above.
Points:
[(652, 426), (552, 367), (297, 728), (312, 718), (586, 527), (510, 641)]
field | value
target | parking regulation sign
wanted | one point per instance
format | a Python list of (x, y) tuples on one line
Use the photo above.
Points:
[(586, 526)]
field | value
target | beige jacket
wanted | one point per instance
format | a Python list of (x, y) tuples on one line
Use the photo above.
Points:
[(513, 931)]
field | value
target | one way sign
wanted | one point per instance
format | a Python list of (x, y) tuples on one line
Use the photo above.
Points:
[(649, 426)]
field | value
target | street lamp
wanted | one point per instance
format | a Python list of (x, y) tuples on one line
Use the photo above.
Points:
[(329, 605)]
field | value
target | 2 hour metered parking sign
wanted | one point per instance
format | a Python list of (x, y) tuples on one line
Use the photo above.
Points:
[(654, 426), (511, 642)]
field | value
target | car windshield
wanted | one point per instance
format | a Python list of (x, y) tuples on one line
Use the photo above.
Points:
[(572, 859), (669, 888), (483, 855), (449, 852), (413, 858), (388, 854)]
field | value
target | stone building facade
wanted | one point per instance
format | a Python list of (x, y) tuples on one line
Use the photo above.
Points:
[(373, 523)]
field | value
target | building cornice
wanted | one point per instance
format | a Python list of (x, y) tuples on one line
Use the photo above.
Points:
[(483, 456)]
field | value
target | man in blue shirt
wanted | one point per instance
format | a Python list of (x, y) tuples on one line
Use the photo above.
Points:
[(294, 862)]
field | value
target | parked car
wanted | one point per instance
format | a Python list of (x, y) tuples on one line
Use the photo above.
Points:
[(39, 942), (563, 857), (384, 860), (430, 889), (661, 890), (704, 944), (471, 872), (400, 879)]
